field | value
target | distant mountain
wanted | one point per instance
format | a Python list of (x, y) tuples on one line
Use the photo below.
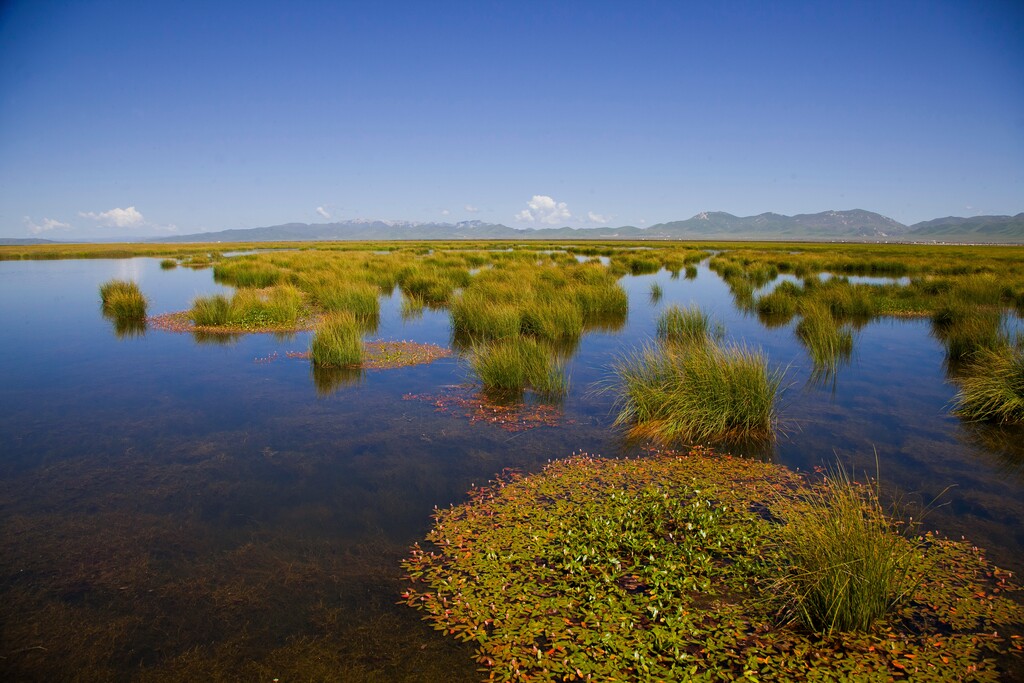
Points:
[(23, 241), (976, 229), (826, 225), (853, 225)]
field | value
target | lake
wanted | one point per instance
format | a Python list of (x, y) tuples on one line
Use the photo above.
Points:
[(175, 506)]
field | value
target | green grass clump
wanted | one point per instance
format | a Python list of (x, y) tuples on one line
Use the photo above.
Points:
[(698, 393), (848, 564), (360, 299), (992, 387), (123, 300), (689, 325), (656, 292), (337, 341), (168, 264), (249, 308), (512, 365), (552, 319), (481, 317), (246, 272), (966, 330), (827, 343), (780, 303), (210, 311)]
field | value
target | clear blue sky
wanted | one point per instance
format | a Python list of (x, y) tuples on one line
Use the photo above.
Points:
[(136, 118)]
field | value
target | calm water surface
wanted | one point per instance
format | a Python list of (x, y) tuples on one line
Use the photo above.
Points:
[(173, 507)]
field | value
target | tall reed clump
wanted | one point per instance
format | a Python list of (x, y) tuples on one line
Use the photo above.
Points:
[(518, 363), (847, 564), (249, 308), (966, 330), (168, 264), (992, 388), (337, 341), (359, 299), (123, 300), (697, 393), (827, 343), (656, 292), (689, 325)]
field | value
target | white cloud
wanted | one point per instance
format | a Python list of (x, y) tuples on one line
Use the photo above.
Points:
[(471, 209), (116, 218), (544, 209), (46, 225), (598, 218), (323, 212), (445, 212)]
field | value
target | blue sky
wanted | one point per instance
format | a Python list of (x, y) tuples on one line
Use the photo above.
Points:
[(146, 118)]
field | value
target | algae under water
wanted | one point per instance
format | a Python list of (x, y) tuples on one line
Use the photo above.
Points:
[(175, 509)]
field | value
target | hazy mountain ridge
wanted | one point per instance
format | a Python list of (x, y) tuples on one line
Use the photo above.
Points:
[(851, 225), (975, 229)]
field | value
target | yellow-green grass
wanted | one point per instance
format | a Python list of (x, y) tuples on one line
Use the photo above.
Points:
[(123, 300), (992, 386), (337, 341), (698, 393), (847, 565), (275, 307), (686, 325), (246, 272), (168, 264), (656, 292), (827, 343), (519, 363)]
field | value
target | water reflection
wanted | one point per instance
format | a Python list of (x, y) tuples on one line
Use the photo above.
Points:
[(173, 509)]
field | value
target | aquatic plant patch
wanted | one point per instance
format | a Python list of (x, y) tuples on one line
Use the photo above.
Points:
[(387, 355), (662, 568), (511, 416)]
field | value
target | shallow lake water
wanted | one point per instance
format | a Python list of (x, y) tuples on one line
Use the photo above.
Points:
[(173, 506)]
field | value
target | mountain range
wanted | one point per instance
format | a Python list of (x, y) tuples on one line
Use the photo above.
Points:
[(855, 225)]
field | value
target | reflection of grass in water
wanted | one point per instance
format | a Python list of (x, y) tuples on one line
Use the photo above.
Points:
[(656, 292), (328, 380), (826, 342)]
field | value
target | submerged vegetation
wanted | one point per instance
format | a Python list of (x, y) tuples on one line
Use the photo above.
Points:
[(669, 567)]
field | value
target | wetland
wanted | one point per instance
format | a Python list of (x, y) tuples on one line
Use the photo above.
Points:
[(221, 470)]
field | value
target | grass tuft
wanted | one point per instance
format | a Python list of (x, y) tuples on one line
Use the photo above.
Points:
[(848, 564), (698, 393), (992, 388), (688, 325), (123, 300), (337, 342), (514, 364)]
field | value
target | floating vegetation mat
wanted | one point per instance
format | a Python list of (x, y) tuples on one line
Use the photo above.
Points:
[(181, 323), (668, 567), (387, 355), (514, 416)]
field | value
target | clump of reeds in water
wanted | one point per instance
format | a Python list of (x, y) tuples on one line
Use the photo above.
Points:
[(657, 292), (827, 343), (687, 325), (337, 341), (249, 308), (848, 564), (698, 393), (966, 329), (518, 363), (123, 300), (992, 386), (168, 264)]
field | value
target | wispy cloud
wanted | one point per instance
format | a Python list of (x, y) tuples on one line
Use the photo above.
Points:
[(46, 225), (445, 212), (323, 212), (116, 218), (543, 209), (597, 218), (469, 208)]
